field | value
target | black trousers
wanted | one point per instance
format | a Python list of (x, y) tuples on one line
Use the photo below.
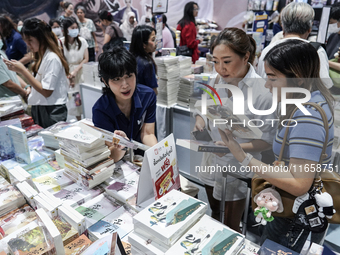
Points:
[(47, 115), (92, 56)]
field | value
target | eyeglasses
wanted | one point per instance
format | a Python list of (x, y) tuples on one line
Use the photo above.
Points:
[(196, 9)]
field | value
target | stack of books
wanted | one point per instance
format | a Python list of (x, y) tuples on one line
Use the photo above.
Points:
[(196, 69), (208, 236), (73, 217), (10, 197), (122, 169), (76, 195), (97, 208), (47, 134), (16, 219), (160, 225), (86, 157), (67, 232), (28, 192), (167, 70), (78, 246), (184, 66), (43, 200), (120, 221), (186, 87), (10, 105)]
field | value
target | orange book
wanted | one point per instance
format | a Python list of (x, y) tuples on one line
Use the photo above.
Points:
[(77, 246)]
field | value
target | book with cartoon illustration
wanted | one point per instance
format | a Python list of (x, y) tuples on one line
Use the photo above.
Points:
[(208, 237), (77, 246), (169, 217)]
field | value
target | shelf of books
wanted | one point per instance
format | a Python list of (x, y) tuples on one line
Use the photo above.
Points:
[(60, 193)]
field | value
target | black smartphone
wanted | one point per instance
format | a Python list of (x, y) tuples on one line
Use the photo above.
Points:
[(202, 135)]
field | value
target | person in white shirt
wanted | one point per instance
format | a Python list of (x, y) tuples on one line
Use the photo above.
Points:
[(76, 53), (297, 20), (167, 38), (233, 52), (49, 80)]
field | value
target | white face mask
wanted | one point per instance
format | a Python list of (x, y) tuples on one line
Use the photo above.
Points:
[(19, 28), (73, 32), (57, 31), (333, 28)]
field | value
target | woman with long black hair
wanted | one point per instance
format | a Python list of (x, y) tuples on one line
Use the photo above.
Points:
[(142, 46)]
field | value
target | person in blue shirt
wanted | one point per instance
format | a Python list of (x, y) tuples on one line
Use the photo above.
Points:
[(16, 47), (125, 108), (285, 68), (142, 46)]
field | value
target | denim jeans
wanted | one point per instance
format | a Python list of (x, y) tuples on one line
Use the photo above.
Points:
[(283, 231)]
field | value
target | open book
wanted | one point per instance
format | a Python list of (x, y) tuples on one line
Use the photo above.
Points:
[(222, 117)]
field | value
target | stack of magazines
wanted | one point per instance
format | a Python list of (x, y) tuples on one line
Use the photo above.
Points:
[(167, 70)]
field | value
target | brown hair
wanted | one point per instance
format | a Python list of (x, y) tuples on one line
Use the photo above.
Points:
[(38, 29), (6, 25), (238, 41)]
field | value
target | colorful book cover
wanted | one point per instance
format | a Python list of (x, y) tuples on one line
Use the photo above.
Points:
[(20, 144), (8, 195), (3, 182), (97, 208), (6, 146), (105, 245), (16, 219), (124, 189), (42, 170), (77, 246), (68, 233), (32, 242), (52, 182)]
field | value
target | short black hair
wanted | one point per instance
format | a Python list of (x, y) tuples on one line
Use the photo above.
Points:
[(114, 63), (52, 21), (335, 11), (103, 14)]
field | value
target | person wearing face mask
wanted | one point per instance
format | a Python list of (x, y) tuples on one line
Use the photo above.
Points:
[(56, 27), (19, 27), (142, 46), (76, 54), (9, 81), (333, 42), (128, 25), (49, 80)]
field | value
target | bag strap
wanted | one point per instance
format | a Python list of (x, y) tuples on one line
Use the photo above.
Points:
[(115, 31), (325, 123)]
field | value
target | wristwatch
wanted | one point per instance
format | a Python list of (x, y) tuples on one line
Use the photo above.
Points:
[(247, 160)]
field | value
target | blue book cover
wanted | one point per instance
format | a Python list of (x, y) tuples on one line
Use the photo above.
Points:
[(271, 248), (6, 147)]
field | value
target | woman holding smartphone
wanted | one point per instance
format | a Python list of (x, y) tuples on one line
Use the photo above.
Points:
[(233, 55)]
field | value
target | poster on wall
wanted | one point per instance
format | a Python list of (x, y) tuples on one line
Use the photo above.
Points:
[(159, 173), (159, 6)]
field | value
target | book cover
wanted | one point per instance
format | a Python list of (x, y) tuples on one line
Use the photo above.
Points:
[(3, 182), (77, 246), (271, 248), (92, 168), (169, 217), (76, 134), (124, 189), (10, 195), (20, 144), (6, 146), (33, 130), (16, 219), (208, 236), (68, 233), (97, 208), (52, 182), (41, 170), (32, 242), (76, 195), (238, 124), (86, 162), (84, 155), (120, 221), (202, 146), (105, 245)]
